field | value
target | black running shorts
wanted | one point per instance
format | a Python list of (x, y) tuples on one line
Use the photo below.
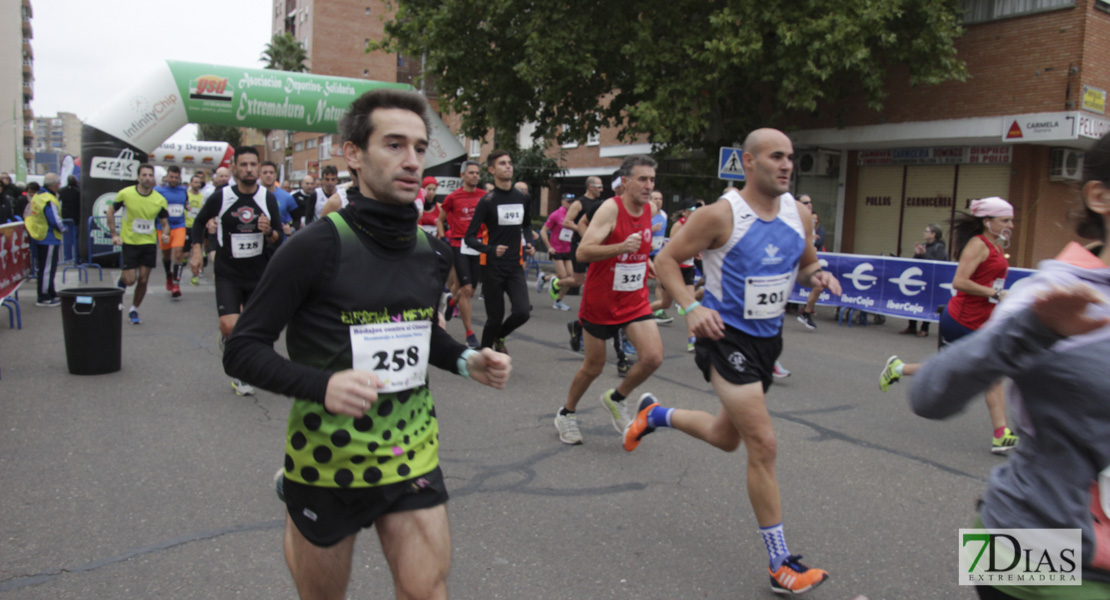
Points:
[(466, 267), (139, 255), (739, 358), (604, 332), (232, 295), (579, 267), (325, 516), (687, 276)]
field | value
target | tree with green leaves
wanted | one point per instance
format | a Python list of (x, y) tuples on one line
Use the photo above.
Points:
[(692, 74), (207, 132), (533, 166), (285, 53)]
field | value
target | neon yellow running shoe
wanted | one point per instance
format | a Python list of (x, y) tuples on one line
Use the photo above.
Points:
[(1002, 445), (890, 373)]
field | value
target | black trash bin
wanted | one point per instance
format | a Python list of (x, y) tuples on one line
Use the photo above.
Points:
[(92, 323)]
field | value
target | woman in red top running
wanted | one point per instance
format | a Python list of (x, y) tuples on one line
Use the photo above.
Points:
[(980, 282)]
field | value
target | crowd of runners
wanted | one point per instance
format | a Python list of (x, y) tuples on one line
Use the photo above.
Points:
[(362, 438)]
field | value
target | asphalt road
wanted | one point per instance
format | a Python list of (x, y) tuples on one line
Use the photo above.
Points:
[(155, 481)]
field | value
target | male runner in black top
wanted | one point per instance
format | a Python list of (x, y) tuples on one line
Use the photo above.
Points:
[(362, 441), (244, 238), (504, 212)]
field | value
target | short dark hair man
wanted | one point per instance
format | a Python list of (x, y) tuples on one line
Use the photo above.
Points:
[(139, 238), (355, 456), (245, 240), (505, 213), (329, 187), (287, 205), (177, 199)]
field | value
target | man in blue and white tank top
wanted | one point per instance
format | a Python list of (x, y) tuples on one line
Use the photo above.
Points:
[(754, 246)]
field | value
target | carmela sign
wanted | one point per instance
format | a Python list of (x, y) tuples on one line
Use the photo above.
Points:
[(947, 155)]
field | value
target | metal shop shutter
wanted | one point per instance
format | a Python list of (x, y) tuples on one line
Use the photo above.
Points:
[(878, 204)]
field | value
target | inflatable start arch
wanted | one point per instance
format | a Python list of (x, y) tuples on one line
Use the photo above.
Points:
[(123, 135)]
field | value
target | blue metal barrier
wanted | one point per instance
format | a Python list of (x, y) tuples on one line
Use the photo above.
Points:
[(895, 287), (69, 253), (100, 243)]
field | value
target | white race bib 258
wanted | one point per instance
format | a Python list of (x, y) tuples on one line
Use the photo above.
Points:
[(396, 352), (566, 234)]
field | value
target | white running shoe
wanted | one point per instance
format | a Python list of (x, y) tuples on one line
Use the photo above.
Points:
[(780, 371), (242, 389), (567, 426), (279, 483), (618, 411)]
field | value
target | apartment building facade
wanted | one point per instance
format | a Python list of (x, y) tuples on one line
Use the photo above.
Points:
[(17, 84), (335, 35), (1016, 128)]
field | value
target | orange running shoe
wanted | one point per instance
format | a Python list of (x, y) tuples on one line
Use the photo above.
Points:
[(638, 428), (795, 578)]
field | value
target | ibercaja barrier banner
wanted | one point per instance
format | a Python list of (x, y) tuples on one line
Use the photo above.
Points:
[(895, 287), (131, 128), (15, 257)]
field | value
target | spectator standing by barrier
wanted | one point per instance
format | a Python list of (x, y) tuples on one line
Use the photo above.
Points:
[(70, 197), (932, 249), (44, 225)]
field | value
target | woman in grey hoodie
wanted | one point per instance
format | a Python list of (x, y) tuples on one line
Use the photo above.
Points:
[(1051, 337)]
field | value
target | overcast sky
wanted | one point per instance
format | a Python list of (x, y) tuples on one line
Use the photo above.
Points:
[(87, 50)]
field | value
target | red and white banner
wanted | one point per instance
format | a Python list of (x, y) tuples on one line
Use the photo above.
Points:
[(15, 257)]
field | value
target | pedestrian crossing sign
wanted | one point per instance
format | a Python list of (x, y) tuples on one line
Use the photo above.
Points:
[(729, 167)]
